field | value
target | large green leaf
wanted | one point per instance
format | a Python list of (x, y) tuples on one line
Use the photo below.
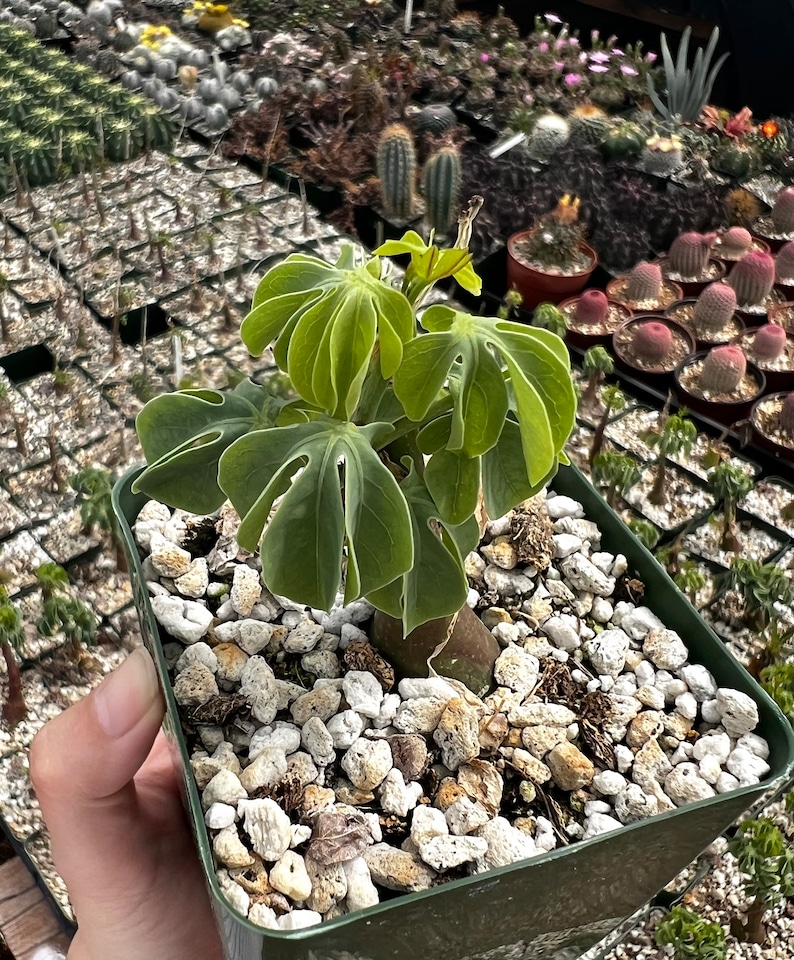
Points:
[(504, 476), (435, 586), (326, 320), (183, 435), (453, 480), (531, 376), (302, 545)]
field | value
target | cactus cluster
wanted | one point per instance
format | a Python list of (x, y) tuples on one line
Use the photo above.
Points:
[(783, 211), (723, 369), (592, 308), (753, 278), (645, 282), (689, 254), (769, 342), (714, 308), (663, 155), (652, 341)]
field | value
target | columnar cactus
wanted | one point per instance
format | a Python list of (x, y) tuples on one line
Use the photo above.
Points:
[(652, 341), (441, 187), (753, 277), (689, 253), (787, 415), (714, 308), (592, 307), (723, 369), (645, 282), (784, 264), (736, 242), (769, 341), (783, 211), (396, 170)]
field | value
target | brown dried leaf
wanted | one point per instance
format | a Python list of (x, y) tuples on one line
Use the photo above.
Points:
[(337, 837), (482, 782), (360, 655), (217, 711)]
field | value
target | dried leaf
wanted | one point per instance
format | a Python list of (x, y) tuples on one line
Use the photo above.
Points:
[(217, 711), (337, 837)]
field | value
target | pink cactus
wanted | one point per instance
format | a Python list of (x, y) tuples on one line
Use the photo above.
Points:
[(787, 415), (652, 341), (753, 277), (714, 308), (784, 264), (592, 307), (769, 341), (736, 242), (645, 282), (783, 211), (689, 253), (723, 369)]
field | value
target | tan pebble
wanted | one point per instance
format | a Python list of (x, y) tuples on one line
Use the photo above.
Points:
[(448, 792)]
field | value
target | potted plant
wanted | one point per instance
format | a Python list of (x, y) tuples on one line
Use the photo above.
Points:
[(772, 350), (720, 384), (766, 862), (784, 270), (777, 228), (592, 318), (753, 281), (651, 347), (690, 264), (551, 261), (772, 420), (711, 317), (644, 288), (690, 936), (12, 637), (734, 244)]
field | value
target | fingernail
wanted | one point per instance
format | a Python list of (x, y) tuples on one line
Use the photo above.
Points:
[(124, 698)]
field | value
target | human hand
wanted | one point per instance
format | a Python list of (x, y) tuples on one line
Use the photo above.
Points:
[(110, 797)]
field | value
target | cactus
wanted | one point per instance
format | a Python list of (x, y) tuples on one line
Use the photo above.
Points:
[(723, 369), (441, 188), (787, 415), (435, 118), (689, 254), (589, 124), (645, 282), (663, 155), (784, 264), (769, 342), (714, 308), (396, 170), (592, 307), (548, 135), (783, 211), (734, 159), (736, 242), (652, 341), (753, 277), (622, 140)]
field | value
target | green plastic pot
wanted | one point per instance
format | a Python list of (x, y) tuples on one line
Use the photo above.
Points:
[(552, 906)]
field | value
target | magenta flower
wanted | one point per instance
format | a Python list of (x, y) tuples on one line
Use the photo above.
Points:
[(571, 79), (650, 57), (618, 53), (543, 47), (558, 64), (484, 57), (598, 68), (627, 70), (560, 43), (551, 18), (599, 57), (573, 41)]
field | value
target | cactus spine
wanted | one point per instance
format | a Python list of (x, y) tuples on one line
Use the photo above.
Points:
[(714, 308), (592, 307), (723, 369), (783, 211), (441, 187), (689, 253), (645, 282), (784, 264), (769, 342), (396, 170), (652, 341), (753, 277)]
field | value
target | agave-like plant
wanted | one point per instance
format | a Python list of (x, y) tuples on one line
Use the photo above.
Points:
[(688, 90)]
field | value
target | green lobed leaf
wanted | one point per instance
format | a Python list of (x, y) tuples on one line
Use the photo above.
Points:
[(302, 546), (504, 475), (453, 481)]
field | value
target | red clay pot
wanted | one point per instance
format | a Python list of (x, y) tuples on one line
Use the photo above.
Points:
[(693, 288), (535, 286), (720, 411), (656, 376)]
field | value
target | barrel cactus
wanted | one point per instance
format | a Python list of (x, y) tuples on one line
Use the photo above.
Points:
[(689, 254), (663, 155), (732, 158), (622, 140), (645, 282), (548, 135), (753, 278), (769, 342), (715, 307), (396, 164), (783, 211), (592, 307), (652, 341), (736, 242), (723, 369), (441, 187), (784, 264), (435, 118)]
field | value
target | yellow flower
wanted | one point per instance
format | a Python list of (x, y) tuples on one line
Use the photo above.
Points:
[(240, 23)]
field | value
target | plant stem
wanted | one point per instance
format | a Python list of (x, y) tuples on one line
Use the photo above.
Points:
[(657, 491), (598, 436), (14, 709), (730, 540)]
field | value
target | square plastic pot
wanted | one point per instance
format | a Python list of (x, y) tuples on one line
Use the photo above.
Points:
[(555, 905)]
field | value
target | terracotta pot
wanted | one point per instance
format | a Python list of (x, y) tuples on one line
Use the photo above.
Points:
[(584, 339), (671, 292), (783, 314), (784, 451), (723, 412), (535, 286), (657, 375), (733, 330), (693, 288)]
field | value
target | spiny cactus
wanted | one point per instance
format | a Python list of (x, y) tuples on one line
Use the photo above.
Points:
[(689, 253), (769, 342), (396, 170), (663, 155), (435, 118), (736, 242), (592, 307), (441, 187), (723, 369), (645, 282), (548, 135), (753, 277), (714, 308), (787, 415), (784, 264), (652, 341), (783, 211)]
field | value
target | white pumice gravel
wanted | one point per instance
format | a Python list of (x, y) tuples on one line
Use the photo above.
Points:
[(426, 781)]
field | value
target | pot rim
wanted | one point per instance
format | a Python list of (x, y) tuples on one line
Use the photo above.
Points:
[(751, 368), (658, 318), (754, 410), (515, 237)]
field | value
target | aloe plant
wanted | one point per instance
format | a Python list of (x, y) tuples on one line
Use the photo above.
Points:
[(688, 90), (490, 402)]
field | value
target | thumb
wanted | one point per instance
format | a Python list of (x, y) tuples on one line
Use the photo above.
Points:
[(82, 765)]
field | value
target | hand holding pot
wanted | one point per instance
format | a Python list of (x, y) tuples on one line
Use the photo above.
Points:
[(110, 797)]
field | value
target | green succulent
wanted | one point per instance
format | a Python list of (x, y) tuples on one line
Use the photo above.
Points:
[(690, 936)]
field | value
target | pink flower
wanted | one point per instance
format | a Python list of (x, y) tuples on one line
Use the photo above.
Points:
[(618, 53), (484, 57), (582, 57), (627, 70), (594, 35), (571, 79), (551, 18), (528, 98), (560, 43), (558, 64), (543, 47), (599, 57), (650, 57), (573, 41), (598, 68)]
